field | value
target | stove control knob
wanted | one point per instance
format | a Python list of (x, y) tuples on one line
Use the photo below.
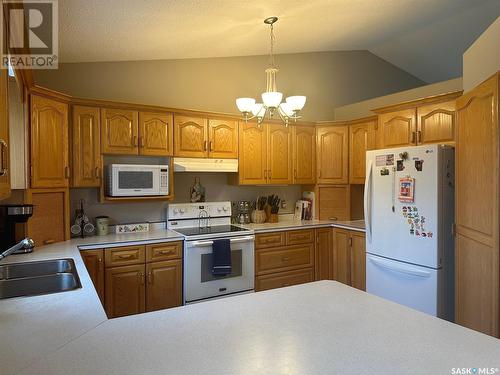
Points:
[(219, 209), (176, 211), (224, 208), (183, 210)]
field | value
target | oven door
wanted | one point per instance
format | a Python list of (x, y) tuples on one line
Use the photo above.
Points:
[(199, 283), (132, 181)]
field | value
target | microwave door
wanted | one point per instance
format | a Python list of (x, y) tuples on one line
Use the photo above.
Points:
[(133, 182)]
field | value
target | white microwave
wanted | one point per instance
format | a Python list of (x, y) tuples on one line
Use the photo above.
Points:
[(128, 180)]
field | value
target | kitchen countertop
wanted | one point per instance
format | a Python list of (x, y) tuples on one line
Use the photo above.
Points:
[(32, 327), (301, 329), (357, 225)]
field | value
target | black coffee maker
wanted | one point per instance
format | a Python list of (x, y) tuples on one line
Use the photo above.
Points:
[(12, 215)]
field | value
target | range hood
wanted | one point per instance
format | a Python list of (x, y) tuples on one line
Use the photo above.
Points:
[(205, 165)]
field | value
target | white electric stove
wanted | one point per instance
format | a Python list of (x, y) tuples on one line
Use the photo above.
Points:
[(201, 224)]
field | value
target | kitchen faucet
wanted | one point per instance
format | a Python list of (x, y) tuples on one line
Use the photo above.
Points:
[(27, 243)]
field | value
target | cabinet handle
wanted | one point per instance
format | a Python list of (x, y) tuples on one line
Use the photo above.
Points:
[(319, 173), (413, 137), (99, 260), (419, 136), (205, 145), (97, 172), (269, 173), (295, 173), (66, 172), (333, 218), (166, 252), (140, 275), (350, 242), (150, 277), (211, 145), (49, 241), (126, 256), (3, 148), (135, 142), (285, 259), (141, 141), (265, 174)]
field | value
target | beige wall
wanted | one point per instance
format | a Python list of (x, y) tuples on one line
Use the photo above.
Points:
[(482, 59), (363, 109), (329, 79)]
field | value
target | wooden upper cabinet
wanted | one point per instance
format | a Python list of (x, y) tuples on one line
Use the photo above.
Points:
[(125, 290), (49, 143), (223, 139), (333, 202), (304, 154), (4, 137), (436, 122), (396, 129), (94, 263), (191, 137), (477, 279), (358, 260), (253, 153), (333, 153), (164, 285), (156, 131), (119, 131), (279, 162), (361, 139), (86, 147)]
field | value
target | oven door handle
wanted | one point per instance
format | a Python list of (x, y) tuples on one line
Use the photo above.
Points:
[(210, 243)]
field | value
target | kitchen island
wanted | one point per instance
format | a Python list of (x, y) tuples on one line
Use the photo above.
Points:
[(317, 328)]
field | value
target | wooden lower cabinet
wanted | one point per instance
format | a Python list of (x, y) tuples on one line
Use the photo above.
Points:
[(349, 257), (324, 254), (164, 285), (283, 279), (125, 291), (135, 279), (94, 262)]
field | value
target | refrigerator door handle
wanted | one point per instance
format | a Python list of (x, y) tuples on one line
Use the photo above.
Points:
[(400, 267), (367, 200)]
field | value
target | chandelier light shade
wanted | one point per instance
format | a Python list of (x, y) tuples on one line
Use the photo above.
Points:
[(271, 98)]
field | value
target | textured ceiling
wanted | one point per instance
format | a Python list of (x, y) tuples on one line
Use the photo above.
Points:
[(408, 33)]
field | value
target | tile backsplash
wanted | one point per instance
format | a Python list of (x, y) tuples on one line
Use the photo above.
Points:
[(216, 187)]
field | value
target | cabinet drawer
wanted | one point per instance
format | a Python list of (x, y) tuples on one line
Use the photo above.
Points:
[(265, 240), (282, 279), (124, 256), (163, 251), (284, 259), (295, 237)]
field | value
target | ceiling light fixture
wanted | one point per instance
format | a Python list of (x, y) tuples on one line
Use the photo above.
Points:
[(271, 99)]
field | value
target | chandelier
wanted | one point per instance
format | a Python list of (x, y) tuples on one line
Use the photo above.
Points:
[(271, 99)]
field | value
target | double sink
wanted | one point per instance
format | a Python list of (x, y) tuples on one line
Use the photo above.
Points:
[(33, 278)]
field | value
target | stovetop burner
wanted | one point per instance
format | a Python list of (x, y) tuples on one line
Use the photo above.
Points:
[(195, 231)]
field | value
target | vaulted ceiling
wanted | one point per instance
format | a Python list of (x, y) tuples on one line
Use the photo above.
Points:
[(424, 37)]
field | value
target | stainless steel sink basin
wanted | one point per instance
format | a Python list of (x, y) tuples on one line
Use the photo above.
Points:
[(33, 278)]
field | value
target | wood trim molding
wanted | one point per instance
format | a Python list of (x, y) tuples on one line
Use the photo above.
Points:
[(418, 102)]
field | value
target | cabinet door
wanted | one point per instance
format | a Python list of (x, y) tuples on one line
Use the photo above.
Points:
[(49, 143), (191, 138), (94, 262), (119, 131), (4, 137), (253, 154), (304, 154), (333, 202), (223, 139), (86, 147), (164, 285), (436, 123), (332, 149), (125, 290), (358, 260), (50, 220), (324, 261), (361, 139), (342, 260), (156, 132), (477, 279), (396, 129), (279, 159)]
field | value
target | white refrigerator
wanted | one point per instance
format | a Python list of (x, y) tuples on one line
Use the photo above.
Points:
[(409, 213)]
